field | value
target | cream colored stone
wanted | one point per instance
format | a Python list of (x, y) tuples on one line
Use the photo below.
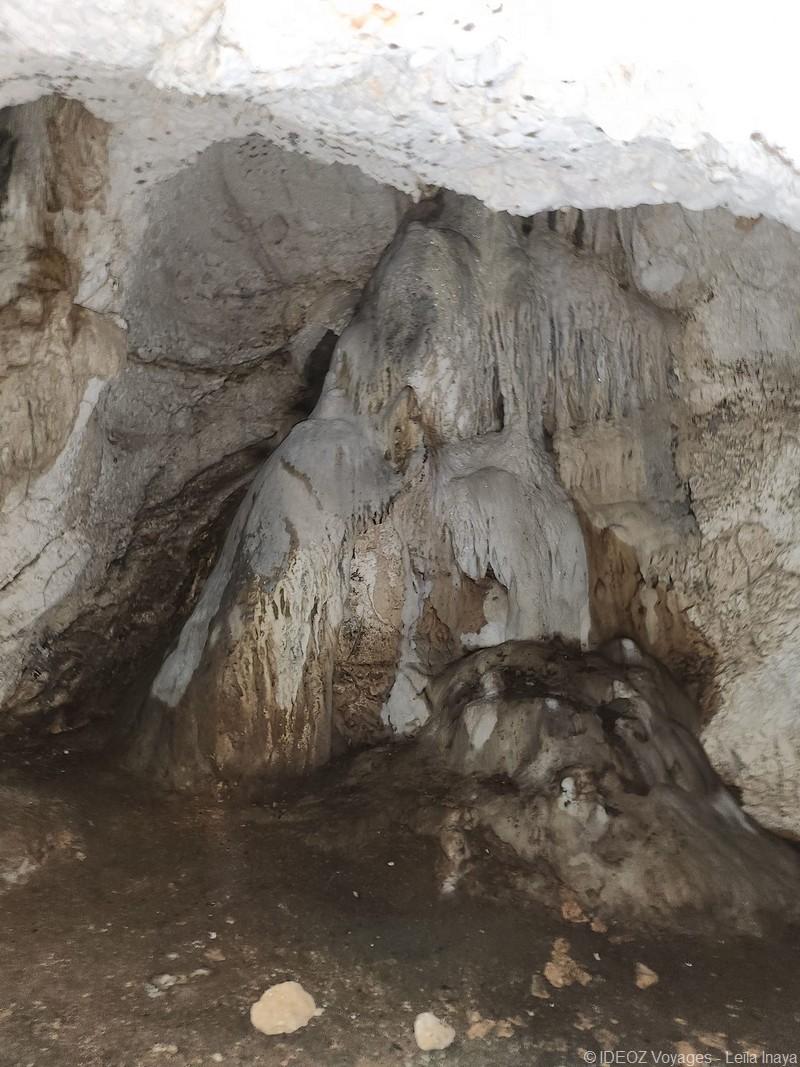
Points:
[(282, 1009), (431, 1034), (480, 1028), (645, 977), (562, 970)]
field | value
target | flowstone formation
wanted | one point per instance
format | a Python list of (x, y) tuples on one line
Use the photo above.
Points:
[(419, 493), (421, 511), (496, 458)]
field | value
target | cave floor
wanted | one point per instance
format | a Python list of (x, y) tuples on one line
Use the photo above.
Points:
[(229, 900)]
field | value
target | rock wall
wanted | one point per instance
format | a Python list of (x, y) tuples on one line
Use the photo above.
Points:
[(711, 585), (427, 434), (529, 107), (128, 442), (423, 487)]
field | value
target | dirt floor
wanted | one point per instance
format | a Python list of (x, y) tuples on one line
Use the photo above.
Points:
[(227, 900)]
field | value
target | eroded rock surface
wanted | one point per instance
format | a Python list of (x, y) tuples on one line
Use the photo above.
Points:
[(124, 452), (709, 586)]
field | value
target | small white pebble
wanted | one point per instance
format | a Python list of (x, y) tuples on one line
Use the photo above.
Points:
[(390, 863), (355, 893), (432, 1034)]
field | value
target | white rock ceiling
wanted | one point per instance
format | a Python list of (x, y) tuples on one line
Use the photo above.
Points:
[(528, 106)]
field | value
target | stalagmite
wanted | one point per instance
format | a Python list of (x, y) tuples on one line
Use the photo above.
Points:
[(425, 464)]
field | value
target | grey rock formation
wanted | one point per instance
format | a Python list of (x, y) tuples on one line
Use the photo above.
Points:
[(588, 768), (705, 576), (493, 362)]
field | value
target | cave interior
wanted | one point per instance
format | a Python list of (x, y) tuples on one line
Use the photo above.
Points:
[(398, 596)]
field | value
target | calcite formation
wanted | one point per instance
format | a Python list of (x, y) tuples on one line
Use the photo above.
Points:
[(429, 433), (421, 512), (125, 444)]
